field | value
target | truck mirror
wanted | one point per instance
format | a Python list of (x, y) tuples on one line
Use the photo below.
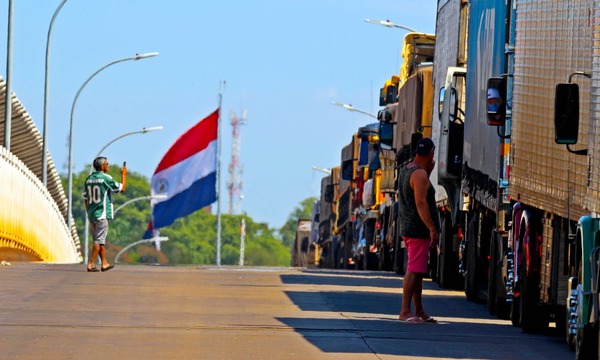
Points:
[(329, 193), (384, 116), (441, 102), (382, 97), (386, 135), (347, 172), (566, 114), (453, 104), (388, 95), (496, 101)]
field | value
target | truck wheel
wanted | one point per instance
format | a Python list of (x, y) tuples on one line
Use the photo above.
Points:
[(447, 258), (586, 342), (339, 256), (515, 311), (471, 257), (492, 301), (384, 257), (533, 319), (399, 257)]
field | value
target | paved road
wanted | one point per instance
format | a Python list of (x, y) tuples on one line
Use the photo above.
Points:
[(152, 312)]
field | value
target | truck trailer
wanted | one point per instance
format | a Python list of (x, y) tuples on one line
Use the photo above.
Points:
[(513, 193)]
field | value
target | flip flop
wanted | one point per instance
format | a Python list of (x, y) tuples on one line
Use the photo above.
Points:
[(93, 269), (430, 320), (107, 268), (413, 320)]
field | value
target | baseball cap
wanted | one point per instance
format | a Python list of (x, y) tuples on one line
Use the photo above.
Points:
[(425, 146), (493, 93)]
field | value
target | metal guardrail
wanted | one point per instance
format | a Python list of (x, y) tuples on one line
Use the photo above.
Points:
[(30, 220)]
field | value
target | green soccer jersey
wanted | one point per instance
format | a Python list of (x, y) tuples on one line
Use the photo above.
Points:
[(98, 193)]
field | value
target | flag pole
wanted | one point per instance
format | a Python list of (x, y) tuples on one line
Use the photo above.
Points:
[(219, 176)]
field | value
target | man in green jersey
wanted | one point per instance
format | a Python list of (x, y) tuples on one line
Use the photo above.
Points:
[(97, 195)]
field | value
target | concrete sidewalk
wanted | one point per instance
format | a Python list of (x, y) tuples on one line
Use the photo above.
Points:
[(158, 312)]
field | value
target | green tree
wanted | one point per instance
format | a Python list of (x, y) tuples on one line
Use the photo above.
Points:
[(192, 239)]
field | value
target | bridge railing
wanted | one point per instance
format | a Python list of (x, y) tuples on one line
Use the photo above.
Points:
[(31, 223)]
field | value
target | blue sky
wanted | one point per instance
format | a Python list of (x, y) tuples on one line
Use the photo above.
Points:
[(283, 61)]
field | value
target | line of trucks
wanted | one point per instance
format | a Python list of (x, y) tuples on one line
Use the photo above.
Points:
[(510, 93)]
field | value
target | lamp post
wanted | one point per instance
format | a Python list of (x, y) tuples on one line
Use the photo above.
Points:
[(87, 224), (322, 169), (70, 179), (46, 94), (389, 24), (352, 108), (147, 197), (154, 239), (143, 131)]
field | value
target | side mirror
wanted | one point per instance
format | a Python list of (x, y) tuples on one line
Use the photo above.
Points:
[(386, 135), (496, 101), (384, 116), (329, 193), (453, 103), (441, 102), (566, 114), (348, 170), (388, 95)]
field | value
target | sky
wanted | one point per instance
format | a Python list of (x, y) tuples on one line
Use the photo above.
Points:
[(283, 62)]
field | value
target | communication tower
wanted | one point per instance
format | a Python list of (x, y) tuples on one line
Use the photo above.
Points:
[(235, 183)]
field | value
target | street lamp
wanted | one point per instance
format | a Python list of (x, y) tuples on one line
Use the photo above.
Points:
[(87, 224), (389, 24), (70, 179), (352, 108), (143, 131), (154, 239), (46, 94), (147, 197), (322, 169)]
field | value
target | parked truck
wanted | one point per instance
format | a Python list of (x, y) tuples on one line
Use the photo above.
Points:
[(405, 119), (300, 248), (575, 103), (513, 194), (327, 237)]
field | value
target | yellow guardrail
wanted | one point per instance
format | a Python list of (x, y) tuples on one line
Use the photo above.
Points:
[(31, 225)]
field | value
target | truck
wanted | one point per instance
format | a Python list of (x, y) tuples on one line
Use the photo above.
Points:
[(300, 248), (327, 238), (407, 98), (584, 244), (514, 195)]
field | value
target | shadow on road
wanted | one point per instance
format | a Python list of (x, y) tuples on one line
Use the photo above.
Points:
[(369, 306)]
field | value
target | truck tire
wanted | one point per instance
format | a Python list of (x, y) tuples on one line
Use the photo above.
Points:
[(532, 317), (399, 257), (492, 302), (515, 311), (385, 257), (586, 342), (471, 258), (447, 258)]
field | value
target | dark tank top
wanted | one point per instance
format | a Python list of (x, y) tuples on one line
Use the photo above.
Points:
[(411, 224)]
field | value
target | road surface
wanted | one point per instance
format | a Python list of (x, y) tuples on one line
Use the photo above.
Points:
[(162, 312)]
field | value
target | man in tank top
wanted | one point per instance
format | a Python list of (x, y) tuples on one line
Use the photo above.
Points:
[(419, 227)]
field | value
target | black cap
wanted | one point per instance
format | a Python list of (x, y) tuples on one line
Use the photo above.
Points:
[(425, 146)]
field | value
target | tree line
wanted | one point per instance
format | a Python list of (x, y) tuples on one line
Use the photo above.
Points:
[(192, 239)]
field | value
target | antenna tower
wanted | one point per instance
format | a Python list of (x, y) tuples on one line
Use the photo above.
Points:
[(235, 183)]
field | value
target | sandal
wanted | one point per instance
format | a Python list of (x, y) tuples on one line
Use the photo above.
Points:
[(107, 268), (92, 269)]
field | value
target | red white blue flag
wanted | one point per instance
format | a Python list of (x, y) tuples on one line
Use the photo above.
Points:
[(187, 174)]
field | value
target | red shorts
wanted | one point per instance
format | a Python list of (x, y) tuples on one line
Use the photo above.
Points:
[(418, 254)]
